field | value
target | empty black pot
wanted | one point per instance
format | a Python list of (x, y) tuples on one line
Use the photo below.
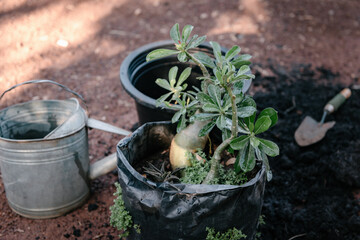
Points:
[(138, 78)]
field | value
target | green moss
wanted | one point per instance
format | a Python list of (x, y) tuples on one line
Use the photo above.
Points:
[(261, 222), (120, 218), (197, 172), (231, 234)]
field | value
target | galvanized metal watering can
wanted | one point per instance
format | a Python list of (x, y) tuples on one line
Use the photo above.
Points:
[(44, 157)]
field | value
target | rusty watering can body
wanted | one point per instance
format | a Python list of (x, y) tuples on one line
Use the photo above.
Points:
[(44, 157)]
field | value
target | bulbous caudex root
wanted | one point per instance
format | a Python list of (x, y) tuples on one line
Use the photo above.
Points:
[(187, 140)]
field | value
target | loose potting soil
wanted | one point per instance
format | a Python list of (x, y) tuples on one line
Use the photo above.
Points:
[(311, 195)]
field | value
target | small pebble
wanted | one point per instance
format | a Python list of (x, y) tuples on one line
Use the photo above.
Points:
[(231, 161), (137, 11), (62, 43), (203, 15), (214, 14)]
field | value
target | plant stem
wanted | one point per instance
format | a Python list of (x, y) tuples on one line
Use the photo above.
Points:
[(205, 72), (197, 62), (215, 160), (234, 128)]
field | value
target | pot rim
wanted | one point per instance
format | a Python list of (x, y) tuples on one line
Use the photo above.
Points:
[(79, 128), (124, 70)]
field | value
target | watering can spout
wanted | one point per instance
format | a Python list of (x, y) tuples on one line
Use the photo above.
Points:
[(103, 166), (107, 164)]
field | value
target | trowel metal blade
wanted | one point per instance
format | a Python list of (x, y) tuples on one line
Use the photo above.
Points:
[(310, 131)]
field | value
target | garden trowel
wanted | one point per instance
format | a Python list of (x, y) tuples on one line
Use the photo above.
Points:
[(310, 131)]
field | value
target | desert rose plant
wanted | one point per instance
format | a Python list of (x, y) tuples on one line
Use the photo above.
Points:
[(218, 103)]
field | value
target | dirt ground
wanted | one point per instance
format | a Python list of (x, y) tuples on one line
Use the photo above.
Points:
[(81, 44)]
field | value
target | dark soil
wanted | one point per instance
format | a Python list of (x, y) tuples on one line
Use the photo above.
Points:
[(312, 193), (159, 162)]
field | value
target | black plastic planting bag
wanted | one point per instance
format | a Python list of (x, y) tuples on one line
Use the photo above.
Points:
[(182, 211)]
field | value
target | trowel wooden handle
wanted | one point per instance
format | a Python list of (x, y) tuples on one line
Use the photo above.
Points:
[(338, 100)]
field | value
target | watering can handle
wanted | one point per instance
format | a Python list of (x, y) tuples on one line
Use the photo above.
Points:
[(45, 81)]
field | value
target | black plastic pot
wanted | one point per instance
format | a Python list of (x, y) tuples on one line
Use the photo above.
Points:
[(138, 78), (182, 211)]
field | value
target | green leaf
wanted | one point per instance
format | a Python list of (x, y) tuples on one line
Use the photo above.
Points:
[(243, 69), (242, 127), (243, 112), (243, 77), (181, 124), (267, 167), (183, 110), (175, 33), (269, 175), (160, 53), (176, 117), (196, 42), (262, 124), (194, 37), (192, 103), (226, 102), (254, 141), (237, 167), (184, 75), (163, 83), (182, 57), (204, 59), (204, 98), (172, 83), (204, 116), (271, 113), (203, 86), (262, 157), (248, 162), (209, 107), (172, 73), (218, 75), (268, 147), (245, 159), (215, 94), (237, 89), (240, 142), (186, 32), (249, 121), (217, 51), (206, 129), (225, 134), (221, 122), (238, 63), (161, 99), (248, 101), (245, 57), (232, 52)]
